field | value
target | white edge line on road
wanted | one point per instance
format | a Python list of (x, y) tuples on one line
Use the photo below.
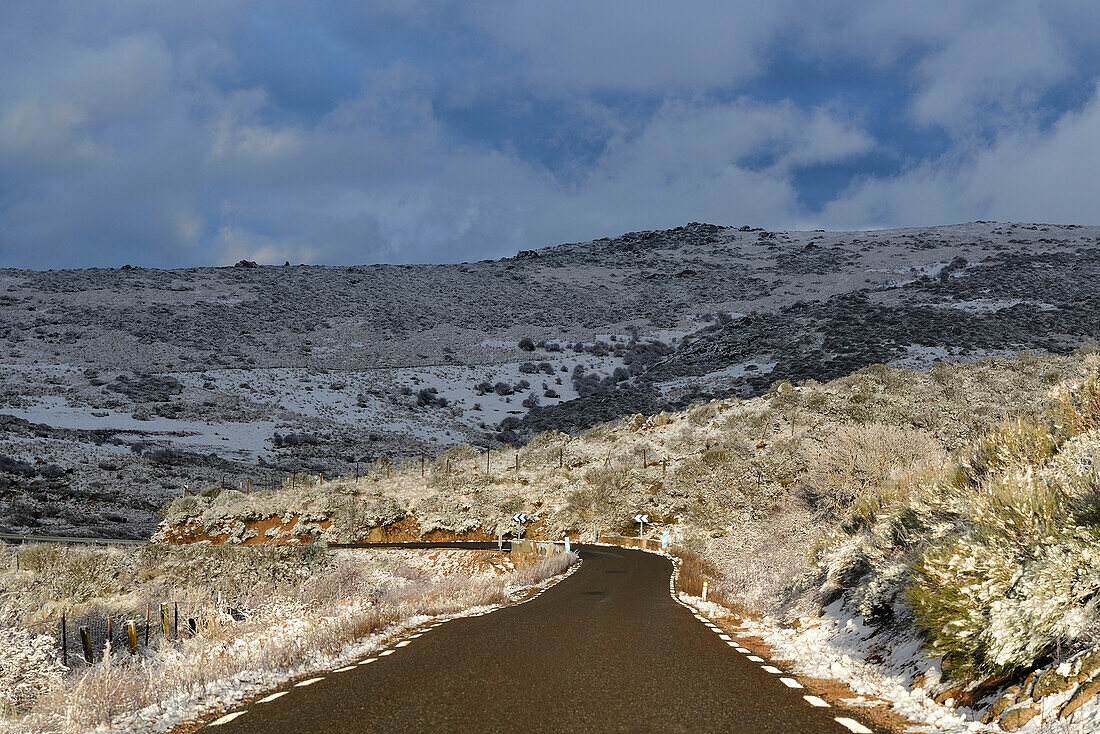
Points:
[(227, 718), (345, 669), (403, 643), (272, 697), (771, 669), (385, 652), (725, 637), (309, 682), (816, 701), (368, 660), (853, 725)]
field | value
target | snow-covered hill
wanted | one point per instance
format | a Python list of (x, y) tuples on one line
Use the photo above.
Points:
[(124, 386)]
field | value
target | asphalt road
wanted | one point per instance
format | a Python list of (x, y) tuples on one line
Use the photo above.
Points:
[(606, 649)]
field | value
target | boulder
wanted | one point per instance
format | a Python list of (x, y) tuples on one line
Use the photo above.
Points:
[(1080, 697), (1050, 681), (1014, 718), (1001, 705), (1086, 664)]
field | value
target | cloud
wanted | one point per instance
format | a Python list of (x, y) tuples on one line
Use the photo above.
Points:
[(653, 45), (1007, 63), (407, 130), (50, 114), (1025, 175)]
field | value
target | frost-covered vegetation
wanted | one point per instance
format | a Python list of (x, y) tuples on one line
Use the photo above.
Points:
[(302, 610), (958, 506), (727, 474), (996, 556)]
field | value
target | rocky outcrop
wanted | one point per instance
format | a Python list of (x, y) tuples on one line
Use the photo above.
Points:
[(1060, 689)]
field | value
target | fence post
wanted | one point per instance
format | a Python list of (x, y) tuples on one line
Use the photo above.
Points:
[(176, 618), (517, 461), (561, 458), (86, 641), (164, 620), (64, 643), (131, 633)]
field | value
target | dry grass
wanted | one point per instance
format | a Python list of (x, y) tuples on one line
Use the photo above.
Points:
[(304, 626)]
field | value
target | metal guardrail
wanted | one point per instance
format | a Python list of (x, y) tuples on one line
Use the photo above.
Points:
[(14, 538)]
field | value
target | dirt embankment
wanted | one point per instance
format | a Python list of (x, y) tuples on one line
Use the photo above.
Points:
[(274, 531)]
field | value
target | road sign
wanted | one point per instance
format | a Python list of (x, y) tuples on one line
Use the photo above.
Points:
[(519, 517), (641, 518)]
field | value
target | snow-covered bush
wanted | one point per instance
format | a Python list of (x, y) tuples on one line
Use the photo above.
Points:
[(996, 560), (29, 667)]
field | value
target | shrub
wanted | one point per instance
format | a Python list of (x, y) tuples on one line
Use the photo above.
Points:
[(1076, 406), (28, 668)]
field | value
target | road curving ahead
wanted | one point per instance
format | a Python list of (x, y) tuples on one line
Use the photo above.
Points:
[(607, 649)]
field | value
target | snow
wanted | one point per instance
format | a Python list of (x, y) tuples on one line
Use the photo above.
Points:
[(245, 440), (225, 694), (838, 647)]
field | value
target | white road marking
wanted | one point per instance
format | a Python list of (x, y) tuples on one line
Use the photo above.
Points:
[(724, 637), (756, 659), (853, 725), (309, 682), (771, 669), (403, 643), (385, 652), (272, 697), (413, 637), (821, 703), (368, 660), (227, 718), (345, 669), (743, 649), (731, 643), (791, 683)]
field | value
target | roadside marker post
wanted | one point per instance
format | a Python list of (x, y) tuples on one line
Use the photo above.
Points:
[(664, 540), (566, 543), (86, 643), (641, 520), (705, 585), (131, 634)]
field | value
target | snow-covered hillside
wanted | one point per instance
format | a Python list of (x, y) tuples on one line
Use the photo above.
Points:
[(119, 388)]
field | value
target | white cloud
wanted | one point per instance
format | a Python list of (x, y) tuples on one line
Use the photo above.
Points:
[(638, 45), (1028, 175), (1006, 63)]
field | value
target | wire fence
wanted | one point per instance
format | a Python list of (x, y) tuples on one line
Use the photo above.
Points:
[(82, 640)]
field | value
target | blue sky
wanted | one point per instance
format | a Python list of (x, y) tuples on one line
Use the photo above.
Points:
[(172, 134)]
